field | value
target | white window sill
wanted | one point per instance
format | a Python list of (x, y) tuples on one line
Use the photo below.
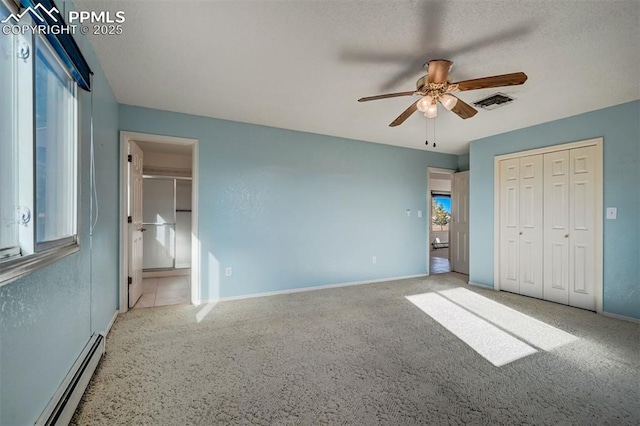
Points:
[(11, 270)]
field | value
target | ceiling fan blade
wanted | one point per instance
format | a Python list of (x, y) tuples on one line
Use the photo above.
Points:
[(388, 95), (439, 70), (406, 114), (463, 109), (513, 79)]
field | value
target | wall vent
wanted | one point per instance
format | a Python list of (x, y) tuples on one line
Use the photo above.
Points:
[(494, 101)]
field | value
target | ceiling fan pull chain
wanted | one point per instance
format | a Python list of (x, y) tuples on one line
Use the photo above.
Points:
[(426, 132), (434, 132)]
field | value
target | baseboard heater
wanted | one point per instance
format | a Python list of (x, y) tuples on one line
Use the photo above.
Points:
[(60, 409)]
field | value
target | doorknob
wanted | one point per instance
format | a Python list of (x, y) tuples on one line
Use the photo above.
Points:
[(520, 232), (566, 235), (142, 229)]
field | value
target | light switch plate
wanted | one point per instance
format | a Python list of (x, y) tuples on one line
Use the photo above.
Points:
[(612, 212), (408, 213), (419, 213)]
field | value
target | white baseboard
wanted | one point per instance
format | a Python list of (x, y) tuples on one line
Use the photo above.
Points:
[(320, 287), (606, 314), (108, 329), (65, 400), (486, 287), (620, 317)]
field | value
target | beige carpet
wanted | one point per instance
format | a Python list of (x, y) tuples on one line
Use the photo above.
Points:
[(356, 355)]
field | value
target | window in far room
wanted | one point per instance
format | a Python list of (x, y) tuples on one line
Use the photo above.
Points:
[(440, 211)]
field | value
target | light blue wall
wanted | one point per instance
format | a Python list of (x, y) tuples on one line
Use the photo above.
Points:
[(620, 127), (288, 209), (463, 162), (47, 317)]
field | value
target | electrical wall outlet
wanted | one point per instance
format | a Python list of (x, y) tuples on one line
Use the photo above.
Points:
[(374, 259), (408, 213), (228, 272)]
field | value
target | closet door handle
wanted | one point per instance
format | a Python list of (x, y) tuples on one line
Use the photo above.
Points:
[(142, 229), (566, 235), (520, 232)]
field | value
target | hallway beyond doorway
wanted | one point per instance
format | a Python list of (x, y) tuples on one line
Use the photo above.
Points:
[(439, 261), (164, 291)]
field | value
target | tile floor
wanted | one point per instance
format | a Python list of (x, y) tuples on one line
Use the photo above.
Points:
[(439, 261), (164, 291)]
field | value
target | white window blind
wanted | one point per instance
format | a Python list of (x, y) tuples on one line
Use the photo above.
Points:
[(9, 244), (55, 156)]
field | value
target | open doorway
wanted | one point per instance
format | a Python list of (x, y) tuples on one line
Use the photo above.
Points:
[(439, 204), (159, 250), (166, 213)]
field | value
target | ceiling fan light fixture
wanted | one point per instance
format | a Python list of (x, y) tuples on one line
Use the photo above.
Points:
[(435, 87), (432, 111), (448, 101), (425, 103)]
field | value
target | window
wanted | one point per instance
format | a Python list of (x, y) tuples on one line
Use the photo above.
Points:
[(38, 155), (8, 232), (440, 212), (55, 156)]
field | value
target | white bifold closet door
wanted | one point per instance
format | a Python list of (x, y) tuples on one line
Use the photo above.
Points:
[(569, 234), (556, 227), (509, 225), (521, 225), (547, 226)]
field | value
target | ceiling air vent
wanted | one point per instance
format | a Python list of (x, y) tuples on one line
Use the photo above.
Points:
[(494, 101)]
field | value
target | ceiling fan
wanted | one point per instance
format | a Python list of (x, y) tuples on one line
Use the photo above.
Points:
[(434, 87)]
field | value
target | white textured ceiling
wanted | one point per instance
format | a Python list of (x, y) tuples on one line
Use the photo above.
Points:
[(302, 65)]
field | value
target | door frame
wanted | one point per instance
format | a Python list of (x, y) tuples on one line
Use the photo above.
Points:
[(598, 217), (125, 138), (428, 210)]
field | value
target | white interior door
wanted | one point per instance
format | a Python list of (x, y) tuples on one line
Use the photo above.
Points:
[(582, 212), (556, 227), (135, 226), (459, 241), (509, 225), (530, 224)]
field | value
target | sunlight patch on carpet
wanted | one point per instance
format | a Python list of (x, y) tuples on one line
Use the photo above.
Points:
[(536, 333), (495, 345)]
